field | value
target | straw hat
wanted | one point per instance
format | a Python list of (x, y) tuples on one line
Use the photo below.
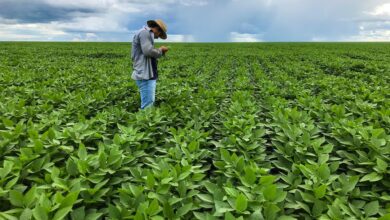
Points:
[(162, 26)]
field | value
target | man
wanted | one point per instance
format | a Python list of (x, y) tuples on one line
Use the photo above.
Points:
[(144, 57)]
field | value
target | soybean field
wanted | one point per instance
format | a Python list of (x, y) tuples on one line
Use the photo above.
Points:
[(238, 131)]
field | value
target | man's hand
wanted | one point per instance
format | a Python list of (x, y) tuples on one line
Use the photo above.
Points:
[(164, 49)]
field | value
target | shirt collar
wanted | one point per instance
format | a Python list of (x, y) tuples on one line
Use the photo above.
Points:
[(150, 30)]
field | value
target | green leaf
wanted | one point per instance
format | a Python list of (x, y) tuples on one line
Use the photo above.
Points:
[(82, 166), (114, 212), (8, 123), (206, 216), (67, 149), (184, 210), (206, 198), (4, 215), (40, 213), (7, 167), (166, 180), (16, 198), (269, 192), (285, 217), (240, 164), (193, 146), (93, 216), (135, 190), (174, 200), (221, 207), (256, 215), (267, 180), (69, 200), (78, 213), (12, 182), (211, 187), (103, 159), (150, 181), (320, 191), (307, 197), (349, 183), (71, 167), (60, 183), (61, 213), (372, 177), (82, 152), (168, 211), (229, 216), (138, 215), (382, 165), (280, 196), (305, 170), (377, 143), (26, 214), (385, 217), (323, 158), (318, 207), (385, 197), (30, 197), (270, 211), (153, 208), (231, 191), (324, 172), (225, 156), (157, 217), (241, 202), (250, 176), (327, 148), (371, 208), (184, 175)]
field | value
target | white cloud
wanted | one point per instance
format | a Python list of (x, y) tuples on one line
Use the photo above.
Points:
[(88, 4), (30, 32), (91, 35), (4, 21), (125, 5), (126, 8), (104, 23), (319, 39), (193, 2), (382, 10), (245, 37), (178, 38), (57, 31), (375, 27), (87, 37), (10, 36), (380, 35)]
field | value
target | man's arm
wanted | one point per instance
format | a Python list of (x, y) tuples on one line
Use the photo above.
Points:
[(147, 46)]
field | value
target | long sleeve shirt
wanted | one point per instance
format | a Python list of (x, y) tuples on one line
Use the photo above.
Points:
[(142, 52)]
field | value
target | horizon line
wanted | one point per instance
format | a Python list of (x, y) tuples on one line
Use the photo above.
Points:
[(192, 42)]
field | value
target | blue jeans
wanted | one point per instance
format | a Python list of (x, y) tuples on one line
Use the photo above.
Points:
[(147, 89)]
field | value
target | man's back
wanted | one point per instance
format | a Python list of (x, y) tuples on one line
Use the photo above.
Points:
[(136, 44), (140, 54)]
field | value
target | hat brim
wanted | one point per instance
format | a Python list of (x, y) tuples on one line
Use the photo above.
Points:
[(152, 23)]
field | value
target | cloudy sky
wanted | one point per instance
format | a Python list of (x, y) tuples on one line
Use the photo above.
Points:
[(196, 20)]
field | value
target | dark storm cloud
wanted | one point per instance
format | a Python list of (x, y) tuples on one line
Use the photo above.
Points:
[(25, 11)]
